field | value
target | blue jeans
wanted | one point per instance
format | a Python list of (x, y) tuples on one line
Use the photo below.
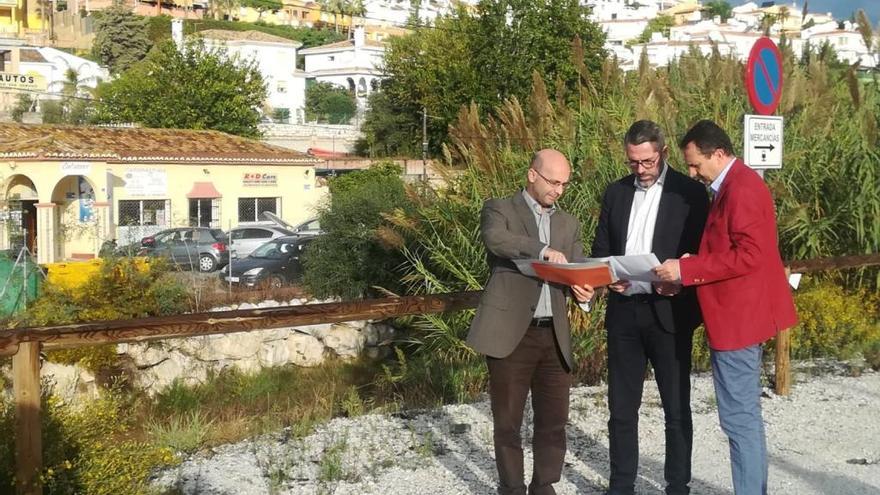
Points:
[(737, 376)]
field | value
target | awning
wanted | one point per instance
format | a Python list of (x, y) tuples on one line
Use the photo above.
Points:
[(204, 190)]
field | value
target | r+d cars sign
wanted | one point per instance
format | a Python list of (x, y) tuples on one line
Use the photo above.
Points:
[(763, 81)]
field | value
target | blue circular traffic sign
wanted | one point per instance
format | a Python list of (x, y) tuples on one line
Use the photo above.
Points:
[(763, 77)]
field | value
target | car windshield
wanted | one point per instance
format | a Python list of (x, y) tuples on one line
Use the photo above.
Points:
[(272, 250)]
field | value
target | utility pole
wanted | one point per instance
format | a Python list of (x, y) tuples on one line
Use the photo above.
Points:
[(424, 143)]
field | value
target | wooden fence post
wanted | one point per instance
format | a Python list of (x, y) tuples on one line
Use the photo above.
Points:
[(28, 435), (783, 357), (783, 362)]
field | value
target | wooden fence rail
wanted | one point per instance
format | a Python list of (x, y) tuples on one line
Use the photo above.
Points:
[(25, 344)]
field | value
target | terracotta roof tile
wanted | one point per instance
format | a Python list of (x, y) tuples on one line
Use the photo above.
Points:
[(129, 144), (251, 35), (343, 45), (31, 55)]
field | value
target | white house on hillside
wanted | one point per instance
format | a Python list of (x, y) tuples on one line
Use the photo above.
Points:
[(53, 66), (276, 59), (848, 43), (619, 31), (354, 64)]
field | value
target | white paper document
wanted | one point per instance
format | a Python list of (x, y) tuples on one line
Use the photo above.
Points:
[(635, 267)]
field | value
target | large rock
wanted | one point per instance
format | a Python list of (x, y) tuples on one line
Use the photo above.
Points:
[(318, 331), (378, 334), (234, 346), (175, 366), (346, 341), (304, 350), (69, 381)]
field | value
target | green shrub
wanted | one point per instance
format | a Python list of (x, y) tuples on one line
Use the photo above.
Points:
[(354, 257), (834, 322), (700, 354), (181, 433), (87, 448), (872, 354), (121, 289), (329, 103)]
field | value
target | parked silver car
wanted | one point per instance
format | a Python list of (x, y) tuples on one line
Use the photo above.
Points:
[(310, 227), (244, 239), (190, 248)]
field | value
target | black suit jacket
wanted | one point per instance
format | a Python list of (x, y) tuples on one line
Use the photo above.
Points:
[(681, 216)]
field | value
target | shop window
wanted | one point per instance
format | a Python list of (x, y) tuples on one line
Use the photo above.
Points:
[(204, 212), (250, 209), (143, 212)]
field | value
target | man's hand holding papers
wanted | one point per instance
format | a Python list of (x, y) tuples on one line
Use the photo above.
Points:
[(631, 268)]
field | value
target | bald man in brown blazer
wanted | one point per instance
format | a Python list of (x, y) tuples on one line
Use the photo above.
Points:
[(522, 323)]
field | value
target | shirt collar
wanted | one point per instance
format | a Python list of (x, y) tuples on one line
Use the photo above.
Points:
[(536, 207), (659, 180), (715, 186)]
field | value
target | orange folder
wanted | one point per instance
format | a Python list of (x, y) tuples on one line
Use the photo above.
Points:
[(593, 274)]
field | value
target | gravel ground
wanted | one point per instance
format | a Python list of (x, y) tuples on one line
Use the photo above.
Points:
[(823, 439)]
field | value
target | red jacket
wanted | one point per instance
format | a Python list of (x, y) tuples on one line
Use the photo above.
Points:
[(738, 271)]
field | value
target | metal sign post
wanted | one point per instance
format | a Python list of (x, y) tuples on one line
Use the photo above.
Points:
[(763, 150)]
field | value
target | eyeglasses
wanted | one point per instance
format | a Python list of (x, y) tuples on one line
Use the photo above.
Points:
[(647, 164), (553, 183)]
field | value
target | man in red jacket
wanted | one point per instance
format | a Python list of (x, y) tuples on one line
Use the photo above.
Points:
[(742, 291)]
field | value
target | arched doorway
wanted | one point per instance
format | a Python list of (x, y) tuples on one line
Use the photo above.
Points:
[(78, 234), (19, 213)]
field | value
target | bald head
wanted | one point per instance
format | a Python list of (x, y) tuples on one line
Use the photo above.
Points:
[(548, 157), (548, 176)]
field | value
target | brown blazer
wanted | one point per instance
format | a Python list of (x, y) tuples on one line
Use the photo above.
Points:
[(510, 232)]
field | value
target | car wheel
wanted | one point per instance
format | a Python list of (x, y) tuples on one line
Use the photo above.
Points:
[(207, 263), (275, 282)]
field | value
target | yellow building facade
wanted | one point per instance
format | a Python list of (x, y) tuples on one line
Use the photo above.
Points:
[(21, 17), (65, 190)]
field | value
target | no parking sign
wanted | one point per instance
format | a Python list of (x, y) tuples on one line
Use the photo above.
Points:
[(763, 76)]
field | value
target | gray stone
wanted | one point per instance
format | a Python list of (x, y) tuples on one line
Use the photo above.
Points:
[(346, 341), (304, 350)]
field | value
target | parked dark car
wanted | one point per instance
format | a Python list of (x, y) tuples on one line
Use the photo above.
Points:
[(190, 248), (273, 264)]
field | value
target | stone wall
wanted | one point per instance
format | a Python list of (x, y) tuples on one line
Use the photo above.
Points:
[(153, 366)]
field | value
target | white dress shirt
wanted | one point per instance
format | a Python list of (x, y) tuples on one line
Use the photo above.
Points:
[(642, 219)]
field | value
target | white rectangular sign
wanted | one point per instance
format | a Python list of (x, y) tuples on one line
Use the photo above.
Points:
[(763, 141), (146, 182), (26, 82), (76, 168)]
